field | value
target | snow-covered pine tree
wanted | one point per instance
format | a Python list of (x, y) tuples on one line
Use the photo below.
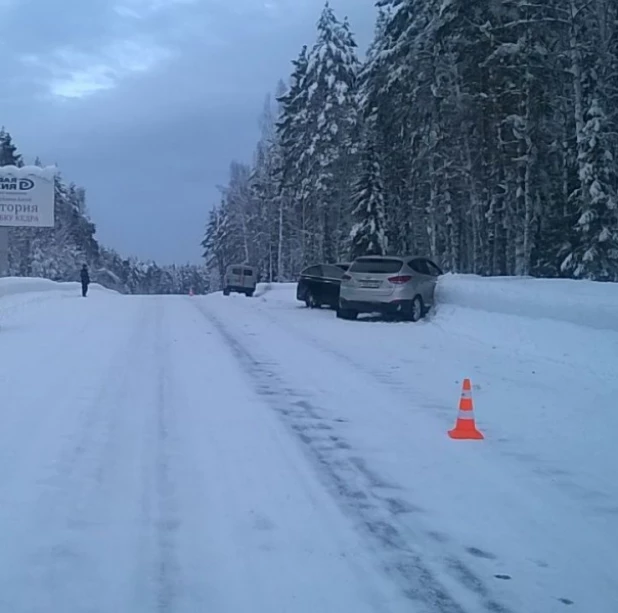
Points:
[(368, 234), (294, 133), (596, 254), (593, 66), (8, 150), (224, 243), (282, 201), (392, 79), (265, 190), (325, 166), (240, 210), (82, 229), (215, 252), (379, 103), (19, 238)]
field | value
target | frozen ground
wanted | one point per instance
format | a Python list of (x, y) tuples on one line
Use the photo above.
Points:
[(231, 454)]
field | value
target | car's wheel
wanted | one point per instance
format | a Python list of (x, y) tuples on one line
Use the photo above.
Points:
[(226, 291), (417, 309), (346, 314), (311, 302)]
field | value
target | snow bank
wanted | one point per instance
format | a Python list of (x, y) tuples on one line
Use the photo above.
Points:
[(45, 172), (277, 292), (9, 286), (262, 288), (584, 303)]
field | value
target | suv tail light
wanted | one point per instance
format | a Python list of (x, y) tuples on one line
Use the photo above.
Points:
[(346, 278), (400, 280)]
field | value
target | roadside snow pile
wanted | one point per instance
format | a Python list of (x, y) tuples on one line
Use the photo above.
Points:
[(584, 303), (262, 288), (277, 292), (9, 286)]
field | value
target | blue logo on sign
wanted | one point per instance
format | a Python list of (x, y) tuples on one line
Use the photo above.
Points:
[(25, 184)]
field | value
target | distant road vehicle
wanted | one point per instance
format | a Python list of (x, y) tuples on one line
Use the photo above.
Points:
[(241, 279), (393, 286), (318, 285)]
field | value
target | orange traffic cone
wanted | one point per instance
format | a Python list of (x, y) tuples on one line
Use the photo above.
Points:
[(465, 427)]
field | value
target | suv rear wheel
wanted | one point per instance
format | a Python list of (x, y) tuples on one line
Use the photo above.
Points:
[(311, 302), (346, 314), (417, 309)]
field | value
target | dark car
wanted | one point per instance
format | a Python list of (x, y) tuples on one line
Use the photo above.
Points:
[(319, 285)]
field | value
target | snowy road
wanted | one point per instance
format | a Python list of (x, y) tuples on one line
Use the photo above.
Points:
[(230, 455), (139, 473)]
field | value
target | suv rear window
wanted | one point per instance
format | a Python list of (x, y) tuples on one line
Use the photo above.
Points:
[(236, 271), (248, 272), (376, 266), (332, 272), (419, 266), (312, 271)]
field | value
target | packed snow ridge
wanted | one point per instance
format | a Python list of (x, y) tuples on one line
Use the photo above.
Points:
[(585, 303)]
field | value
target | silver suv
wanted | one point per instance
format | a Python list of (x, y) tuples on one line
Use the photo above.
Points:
[(393, 286)]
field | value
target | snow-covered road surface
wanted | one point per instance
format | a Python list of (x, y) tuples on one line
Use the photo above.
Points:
[(139, 473), (231, 455)]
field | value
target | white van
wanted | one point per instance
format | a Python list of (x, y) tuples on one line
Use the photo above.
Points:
[(240, 278)]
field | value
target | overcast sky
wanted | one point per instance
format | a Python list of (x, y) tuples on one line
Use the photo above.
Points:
[(145, 102)]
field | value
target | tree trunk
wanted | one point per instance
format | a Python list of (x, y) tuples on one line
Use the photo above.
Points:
[(280, 242)]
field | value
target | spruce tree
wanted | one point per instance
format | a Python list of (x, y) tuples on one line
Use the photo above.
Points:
[(330, 114), (368, 234)]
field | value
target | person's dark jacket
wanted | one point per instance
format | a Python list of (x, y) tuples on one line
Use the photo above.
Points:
[(85, 276)]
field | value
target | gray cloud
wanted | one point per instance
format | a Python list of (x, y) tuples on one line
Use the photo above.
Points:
[(146, 102)]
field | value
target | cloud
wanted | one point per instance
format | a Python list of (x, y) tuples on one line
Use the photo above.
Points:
[(96, 44), (141, 9), (71, 73)]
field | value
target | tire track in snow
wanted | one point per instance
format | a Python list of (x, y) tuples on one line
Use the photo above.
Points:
[(381, 376), (166, 507), (63, 563), (568, 484), (17, 422), (355, 484), (89, 464)]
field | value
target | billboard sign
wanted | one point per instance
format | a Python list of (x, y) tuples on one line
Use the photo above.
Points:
[(27, 196)]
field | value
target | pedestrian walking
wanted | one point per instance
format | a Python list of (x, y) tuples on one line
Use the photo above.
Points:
[(85, 277)]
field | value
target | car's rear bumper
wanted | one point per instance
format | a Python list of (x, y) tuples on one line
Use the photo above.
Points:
[(363, 306), (241, 288)]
